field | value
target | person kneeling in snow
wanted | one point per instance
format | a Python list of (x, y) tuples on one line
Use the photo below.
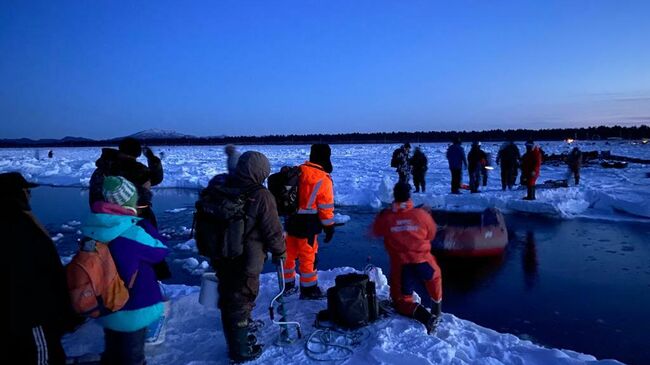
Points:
[(136, 246), (407, 233)]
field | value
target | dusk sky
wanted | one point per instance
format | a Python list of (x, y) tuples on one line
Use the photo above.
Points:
[(102, 69)]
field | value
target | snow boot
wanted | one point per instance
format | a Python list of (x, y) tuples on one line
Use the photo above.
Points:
[(242, 347), (290, 288), (311, 293), (425, 317), (255, 325)]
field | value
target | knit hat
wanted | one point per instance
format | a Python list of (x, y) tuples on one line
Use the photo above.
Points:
[(402, 192), (120, 191)]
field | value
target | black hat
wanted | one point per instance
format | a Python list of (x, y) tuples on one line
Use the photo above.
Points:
[(402, 192), (131, 147), (320, 154), (407, 145), (14, 181)]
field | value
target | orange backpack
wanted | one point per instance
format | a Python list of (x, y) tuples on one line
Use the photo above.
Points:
[(94, 285)]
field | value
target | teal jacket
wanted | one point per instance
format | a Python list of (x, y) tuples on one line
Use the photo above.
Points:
[(135, 246)]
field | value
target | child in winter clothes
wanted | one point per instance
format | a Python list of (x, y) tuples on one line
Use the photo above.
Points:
[(135, 246)]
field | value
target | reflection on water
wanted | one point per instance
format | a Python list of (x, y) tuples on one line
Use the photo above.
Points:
[(578, 284), (529, 260), (463, 275)]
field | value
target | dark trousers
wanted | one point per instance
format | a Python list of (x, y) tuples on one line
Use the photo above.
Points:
[(484, 172), (39, 345), (124, 348), (418, 181), (531, 192), (508, 177), (404, 176), (576, 174), (237, 292), (456, 175), (474, 179)]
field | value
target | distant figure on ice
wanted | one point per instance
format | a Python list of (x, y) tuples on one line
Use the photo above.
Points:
[(40, 308), (239, 276), (574, 162), (457, 160), (476, 161), (407, 233), (315, 214), (508, 157), (233, 157), (400, 161), (50, 154), (123, 162), (136, 246), (486, 168), (419, 167), (530, 165)]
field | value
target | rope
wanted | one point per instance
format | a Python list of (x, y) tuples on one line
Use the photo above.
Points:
[(326, 344)]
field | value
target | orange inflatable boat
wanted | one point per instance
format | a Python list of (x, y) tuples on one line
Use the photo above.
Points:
[(471, 234)]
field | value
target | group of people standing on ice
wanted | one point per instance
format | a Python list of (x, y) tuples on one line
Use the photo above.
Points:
[(121, 215), (407, 165), (477, 163)]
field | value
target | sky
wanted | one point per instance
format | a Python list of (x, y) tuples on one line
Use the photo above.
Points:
[(103, 69)]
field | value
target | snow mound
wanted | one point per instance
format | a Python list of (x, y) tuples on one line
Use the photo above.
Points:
[(195, 336)]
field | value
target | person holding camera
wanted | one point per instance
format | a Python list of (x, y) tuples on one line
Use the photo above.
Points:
[(123, 162)]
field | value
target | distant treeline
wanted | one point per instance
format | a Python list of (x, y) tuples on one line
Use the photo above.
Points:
[(591, 133)]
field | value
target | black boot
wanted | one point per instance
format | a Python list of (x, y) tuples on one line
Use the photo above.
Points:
[(290, 288), (311, 293), (429, 320), (242, 347)]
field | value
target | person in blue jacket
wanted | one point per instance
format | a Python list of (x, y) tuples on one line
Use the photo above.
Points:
[(135, 246), (457, 160)]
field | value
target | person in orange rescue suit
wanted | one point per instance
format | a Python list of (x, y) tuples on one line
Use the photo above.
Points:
[(315, 214), (530, 165), (407, 233)]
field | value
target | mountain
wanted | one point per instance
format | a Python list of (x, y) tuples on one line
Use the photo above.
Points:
[(159, 134)]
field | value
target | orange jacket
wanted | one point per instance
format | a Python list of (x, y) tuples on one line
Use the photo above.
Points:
[(530, 164), (407, 232), (316, 193)]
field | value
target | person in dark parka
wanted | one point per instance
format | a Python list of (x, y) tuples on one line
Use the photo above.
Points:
[(574, 162), (457, 160), (509, 159), (40, 308), (400, 161), (239, 278), (419, 168), (476, 160), (123, 162)]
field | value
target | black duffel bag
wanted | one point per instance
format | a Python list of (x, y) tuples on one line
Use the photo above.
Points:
[(351, 303)]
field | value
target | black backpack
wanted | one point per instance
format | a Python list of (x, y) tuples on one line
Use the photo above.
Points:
[(395, 161), (284, 187), (352, 302), (220, 219)]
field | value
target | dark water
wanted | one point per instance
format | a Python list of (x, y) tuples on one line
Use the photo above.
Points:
[(579, 284)]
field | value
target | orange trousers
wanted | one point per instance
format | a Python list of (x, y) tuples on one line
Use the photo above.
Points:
[(298, 248), (403, 277)]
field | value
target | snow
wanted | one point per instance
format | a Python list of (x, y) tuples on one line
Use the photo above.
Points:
[(362, 176), (194, 335)]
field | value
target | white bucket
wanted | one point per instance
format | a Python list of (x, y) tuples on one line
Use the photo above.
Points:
[(209, 295)]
